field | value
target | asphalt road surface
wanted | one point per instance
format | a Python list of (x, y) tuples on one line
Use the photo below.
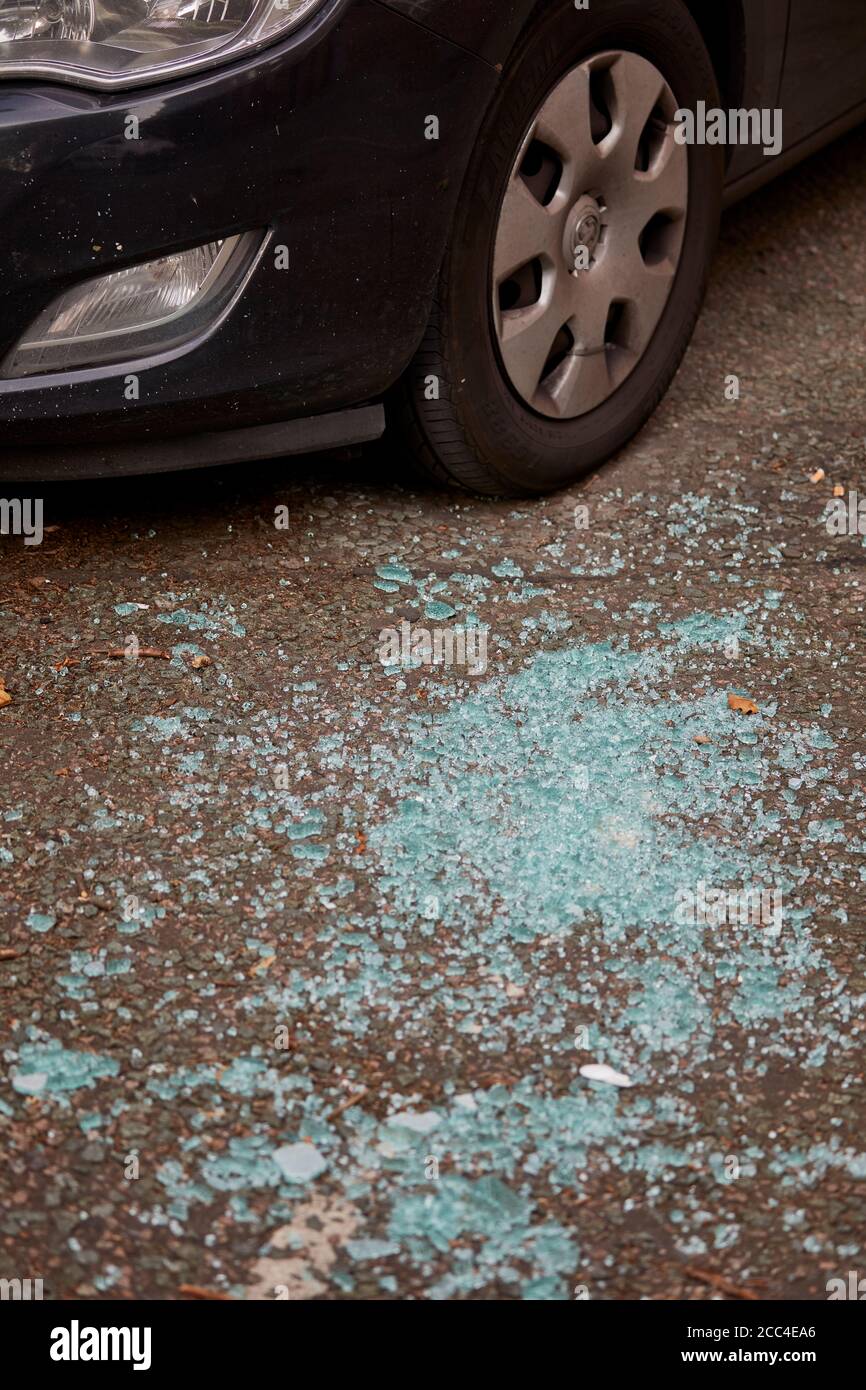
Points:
[(301, 954)]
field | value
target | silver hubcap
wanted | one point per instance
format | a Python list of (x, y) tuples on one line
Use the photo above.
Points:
[(590, 235)]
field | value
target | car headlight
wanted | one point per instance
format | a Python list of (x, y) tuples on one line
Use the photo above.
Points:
[(124, 43)]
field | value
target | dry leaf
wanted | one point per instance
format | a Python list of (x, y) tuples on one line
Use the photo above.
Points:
[(5, 697), (818, 476), (742, 704), (199, 661)]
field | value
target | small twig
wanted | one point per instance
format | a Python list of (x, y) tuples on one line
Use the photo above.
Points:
[(347, 1104), (196, 1291), (119, 653), (716, 1281), (261, 967)]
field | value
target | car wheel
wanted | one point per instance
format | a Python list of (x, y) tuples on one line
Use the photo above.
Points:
[(579, 254)]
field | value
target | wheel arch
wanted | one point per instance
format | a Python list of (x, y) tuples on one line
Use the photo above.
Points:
[(723, 27), (493, 28)]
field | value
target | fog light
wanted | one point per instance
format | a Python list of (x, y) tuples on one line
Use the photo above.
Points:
[(144, 309)]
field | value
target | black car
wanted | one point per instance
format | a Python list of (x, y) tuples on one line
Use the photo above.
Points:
[(235, 229)]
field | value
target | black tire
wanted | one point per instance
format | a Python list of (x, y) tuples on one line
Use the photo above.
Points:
[(479, 434)]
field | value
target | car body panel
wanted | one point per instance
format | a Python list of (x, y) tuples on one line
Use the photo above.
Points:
[(320, 142), (825, 65), (361, 200), (764, 29), (489, 28), (821, 46)]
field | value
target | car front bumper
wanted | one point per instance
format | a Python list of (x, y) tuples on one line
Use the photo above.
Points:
[(320, 143)]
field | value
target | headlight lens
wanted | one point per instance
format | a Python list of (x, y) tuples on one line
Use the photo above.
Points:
[(124, 43)]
